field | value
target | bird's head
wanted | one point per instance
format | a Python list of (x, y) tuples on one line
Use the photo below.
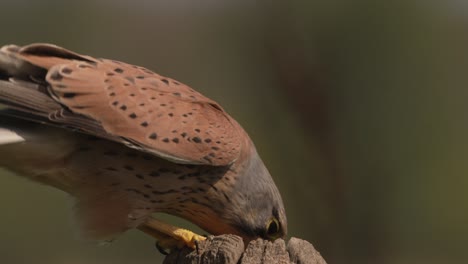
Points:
[(248, 203), (258, 201)]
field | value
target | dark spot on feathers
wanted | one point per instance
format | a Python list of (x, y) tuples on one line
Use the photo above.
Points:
[(207, 140), (144, 124), (227, 197), (67, 70), (214, 148), (170, 114), (153, 136), (140, 77), (69, 95), (139, 176), (176, 94), (183, 134), (60, 86), (165, 81), (133, 115), (110, 74), (197, 130), (128, 167), (196, 139), (115, 103), (175, 140), (164, 192), (214, 188), (118, 70), (111, 169), (163, 104), (112, 94), (123, 107), (148, 186), (166, 140), (56, 76)]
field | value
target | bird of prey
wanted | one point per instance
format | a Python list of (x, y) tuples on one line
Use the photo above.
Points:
[(126, 142)]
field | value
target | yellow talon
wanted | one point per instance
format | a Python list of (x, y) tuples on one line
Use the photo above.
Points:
[(188, 237), (169, 236)]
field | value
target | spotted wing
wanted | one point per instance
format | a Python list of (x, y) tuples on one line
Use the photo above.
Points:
[(136, 106)]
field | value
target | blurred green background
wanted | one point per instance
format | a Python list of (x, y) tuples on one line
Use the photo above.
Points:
[(358, 108)]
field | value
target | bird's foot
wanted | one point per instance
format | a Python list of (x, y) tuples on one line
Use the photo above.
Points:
[(168, 236)]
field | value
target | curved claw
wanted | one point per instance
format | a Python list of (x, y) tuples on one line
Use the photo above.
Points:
[(161, 249)]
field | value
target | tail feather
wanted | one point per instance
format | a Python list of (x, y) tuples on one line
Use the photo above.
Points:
[(22, 85), (26, 97), (24, 93)]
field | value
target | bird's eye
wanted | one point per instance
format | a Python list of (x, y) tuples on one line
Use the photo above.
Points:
[(273, 229)]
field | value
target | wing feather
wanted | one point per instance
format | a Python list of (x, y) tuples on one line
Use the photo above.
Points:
[(132, 105)]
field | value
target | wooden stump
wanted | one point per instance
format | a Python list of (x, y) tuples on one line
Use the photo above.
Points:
[(229, 249)]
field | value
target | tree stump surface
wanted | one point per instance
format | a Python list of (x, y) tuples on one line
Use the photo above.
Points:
[(229, 249)]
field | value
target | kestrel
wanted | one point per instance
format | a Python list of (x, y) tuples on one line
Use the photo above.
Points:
[(126, 143)]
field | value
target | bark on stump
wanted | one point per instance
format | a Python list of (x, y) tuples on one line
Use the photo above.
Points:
[(229, 249)]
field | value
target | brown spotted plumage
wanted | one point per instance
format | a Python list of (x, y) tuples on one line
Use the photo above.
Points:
[(127, 142), (148, 110)]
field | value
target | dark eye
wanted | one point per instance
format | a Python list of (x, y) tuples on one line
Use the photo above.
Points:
[(273, 229)]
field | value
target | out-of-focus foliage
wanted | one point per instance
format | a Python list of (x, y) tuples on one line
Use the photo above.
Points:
[(359, 109)]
